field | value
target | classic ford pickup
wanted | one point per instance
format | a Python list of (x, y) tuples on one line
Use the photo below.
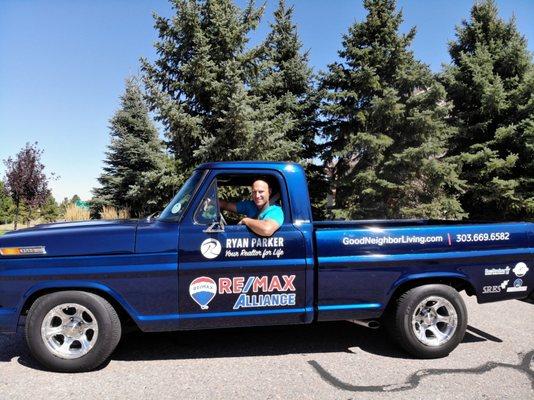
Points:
[(74, 286)]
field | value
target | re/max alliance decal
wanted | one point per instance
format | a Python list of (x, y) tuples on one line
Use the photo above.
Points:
[(244, 247), (254, 291)]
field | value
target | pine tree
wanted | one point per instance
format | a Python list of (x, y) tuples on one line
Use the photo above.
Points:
[(49, 211), (491, 84), (200, 87), (385, 126), (136, 174), (7, 207), (285, 81)]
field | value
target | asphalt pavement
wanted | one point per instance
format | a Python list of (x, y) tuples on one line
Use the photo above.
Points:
[(336, 360)]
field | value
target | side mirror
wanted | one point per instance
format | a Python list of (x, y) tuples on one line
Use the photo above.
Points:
[(216, 227)]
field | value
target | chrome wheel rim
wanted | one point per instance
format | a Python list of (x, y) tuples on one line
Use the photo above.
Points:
[(434, 321), (69, 330)]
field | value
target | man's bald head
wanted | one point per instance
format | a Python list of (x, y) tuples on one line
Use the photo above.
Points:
[(261, 193)]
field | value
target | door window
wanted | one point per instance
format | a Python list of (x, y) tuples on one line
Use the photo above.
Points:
[(236, 188)]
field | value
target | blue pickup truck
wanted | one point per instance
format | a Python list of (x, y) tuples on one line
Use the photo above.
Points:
[(75, 286)]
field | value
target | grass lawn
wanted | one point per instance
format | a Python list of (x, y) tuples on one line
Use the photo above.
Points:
[(5, 228)]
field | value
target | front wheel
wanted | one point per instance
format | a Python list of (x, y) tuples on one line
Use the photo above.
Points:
[(429, 321), (72, 331)]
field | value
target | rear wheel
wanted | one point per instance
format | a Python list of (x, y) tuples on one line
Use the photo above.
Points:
[(72, 331), (429, 321)]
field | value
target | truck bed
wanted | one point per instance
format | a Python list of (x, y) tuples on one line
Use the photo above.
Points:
[(362, 263)]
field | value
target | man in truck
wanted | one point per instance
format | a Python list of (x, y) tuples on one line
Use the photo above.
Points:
[(262, 218)]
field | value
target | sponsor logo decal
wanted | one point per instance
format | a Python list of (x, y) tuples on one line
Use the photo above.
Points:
[(202, 290), (495, 288), (210, 248), (254, 291), (496, 271), (520, 269), (518, 286)]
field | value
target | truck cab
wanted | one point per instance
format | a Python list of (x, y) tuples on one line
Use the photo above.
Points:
[(254, 280)]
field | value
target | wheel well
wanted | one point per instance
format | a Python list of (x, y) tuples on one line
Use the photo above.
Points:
[(456, 283), (124, 317)]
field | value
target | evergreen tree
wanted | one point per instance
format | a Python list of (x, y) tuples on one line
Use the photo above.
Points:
[(25, 214), (385, 126), (490, 83), (200, 87), (136, 174), (285, 80), (63, 206), (49, 211), (7, 207)]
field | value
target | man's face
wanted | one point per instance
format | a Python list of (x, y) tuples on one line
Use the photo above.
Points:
[(260, 193)]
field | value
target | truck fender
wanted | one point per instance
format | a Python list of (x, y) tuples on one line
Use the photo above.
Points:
[(95, 287), (411, 280)]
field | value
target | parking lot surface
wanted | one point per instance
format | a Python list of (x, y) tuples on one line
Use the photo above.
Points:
[(337, 360)]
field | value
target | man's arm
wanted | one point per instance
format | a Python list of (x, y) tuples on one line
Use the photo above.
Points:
[(227, 206), (261, 227)]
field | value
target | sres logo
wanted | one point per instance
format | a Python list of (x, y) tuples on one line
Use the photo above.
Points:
[(491, 289), (495, 288)]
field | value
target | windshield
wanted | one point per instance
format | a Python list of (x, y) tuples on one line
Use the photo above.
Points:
[(178, 205)]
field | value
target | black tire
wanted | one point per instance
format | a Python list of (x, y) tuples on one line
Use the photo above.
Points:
[(402, 316), (108, 328)]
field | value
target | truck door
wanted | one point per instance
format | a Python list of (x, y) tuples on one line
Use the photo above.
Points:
[(228, 275)]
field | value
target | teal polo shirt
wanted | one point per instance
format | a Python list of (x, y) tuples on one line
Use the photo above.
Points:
[(273, 212)]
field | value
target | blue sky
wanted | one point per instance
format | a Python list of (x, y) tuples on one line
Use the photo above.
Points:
[(63, 65)]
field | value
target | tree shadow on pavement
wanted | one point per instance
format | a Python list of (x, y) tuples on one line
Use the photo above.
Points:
[(324, 337), (331, 337)]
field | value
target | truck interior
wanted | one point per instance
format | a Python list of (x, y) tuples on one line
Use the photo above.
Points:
[(237, 187)]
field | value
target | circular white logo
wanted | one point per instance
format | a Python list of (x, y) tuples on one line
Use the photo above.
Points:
[(210, 248), (520, 269), (176, 208)]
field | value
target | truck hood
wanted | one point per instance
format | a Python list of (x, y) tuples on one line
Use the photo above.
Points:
[(75, 238)]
